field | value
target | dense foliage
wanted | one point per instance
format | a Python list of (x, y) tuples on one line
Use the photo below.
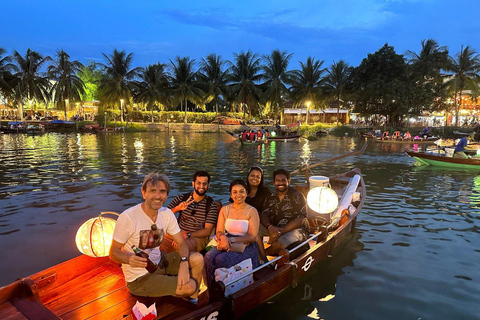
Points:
[(384, 84)]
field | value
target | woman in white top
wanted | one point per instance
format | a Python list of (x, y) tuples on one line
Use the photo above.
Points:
[(237, 224)]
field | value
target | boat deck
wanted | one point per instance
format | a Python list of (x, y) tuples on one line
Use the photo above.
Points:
[(78, 291)]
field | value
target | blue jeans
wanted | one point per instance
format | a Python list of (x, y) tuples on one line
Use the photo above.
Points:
[(215, 259)]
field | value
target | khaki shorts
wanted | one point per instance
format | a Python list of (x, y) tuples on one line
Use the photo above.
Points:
[(163, 282), (285, 239), (168, 247)]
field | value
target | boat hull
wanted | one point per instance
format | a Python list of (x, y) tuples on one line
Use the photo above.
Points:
[(409, 141), (443, 161), (94, 288), (284, 138)]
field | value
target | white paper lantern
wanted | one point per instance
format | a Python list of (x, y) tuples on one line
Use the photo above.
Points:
[(94, 237), (322, 200)]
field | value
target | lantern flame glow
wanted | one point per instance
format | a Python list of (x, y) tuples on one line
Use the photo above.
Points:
[(94, 237), (322, 200)]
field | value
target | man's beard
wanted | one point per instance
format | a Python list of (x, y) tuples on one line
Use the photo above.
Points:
[(201, 194)]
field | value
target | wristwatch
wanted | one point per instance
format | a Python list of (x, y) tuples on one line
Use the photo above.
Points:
[(184, 259), (232, 240), (189, 234)]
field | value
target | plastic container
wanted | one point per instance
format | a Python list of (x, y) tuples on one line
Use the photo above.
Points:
[(318, 181)]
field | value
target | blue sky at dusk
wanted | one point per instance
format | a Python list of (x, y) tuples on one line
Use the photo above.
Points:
[(157, 30)]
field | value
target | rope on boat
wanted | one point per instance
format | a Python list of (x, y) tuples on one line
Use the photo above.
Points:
[(274, 260)]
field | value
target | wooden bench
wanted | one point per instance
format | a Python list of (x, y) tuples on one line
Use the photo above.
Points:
[(80, 288)]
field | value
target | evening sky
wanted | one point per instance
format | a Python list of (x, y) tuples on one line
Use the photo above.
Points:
[(156, 30)]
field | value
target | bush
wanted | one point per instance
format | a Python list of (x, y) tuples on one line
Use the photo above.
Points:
[(311, 130), (340, 131)]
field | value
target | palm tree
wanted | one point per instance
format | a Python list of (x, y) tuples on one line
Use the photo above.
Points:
[(5, 74), (336, 81), (183, 82), (307, 84), (466, 74), (244, 74), (117, 83), (68, 87), (431, 59), (427, 91), (153, 86), (214, 77), (28, 82), (277, 76)]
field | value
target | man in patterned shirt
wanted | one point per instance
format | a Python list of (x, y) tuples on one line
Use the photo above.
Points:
[(197, 214), (284, 211)]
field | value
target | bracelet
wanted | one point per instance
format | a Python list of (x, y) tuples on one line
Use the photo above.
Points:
[(269, 225)]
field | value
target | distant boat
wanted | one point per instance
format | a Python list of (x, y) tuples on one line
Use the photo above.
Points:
[(59, 125), (429, 140), (442, 160)]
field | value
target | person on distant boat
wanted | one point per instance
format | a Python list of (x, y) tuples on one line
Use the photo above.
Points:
[(425, 132), (197, 215), (178, 273), (237, 230), (259, 135), (385, 135), (407, 136), (460, 148), (283, 215), (252, 135), (396, 135)]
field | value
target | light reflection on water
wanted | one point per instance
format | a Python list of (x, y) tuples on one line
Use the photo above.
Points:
[(414, 255)]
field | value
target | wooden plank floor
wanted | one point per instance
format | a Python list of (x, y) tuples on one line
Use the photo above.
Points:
[(101, 293), (9, 312)]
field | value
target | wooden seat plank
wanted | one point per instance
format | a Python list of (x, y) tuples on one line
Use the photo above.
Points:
[(68, 271), (167, 307), (84, 289), (9, 312)]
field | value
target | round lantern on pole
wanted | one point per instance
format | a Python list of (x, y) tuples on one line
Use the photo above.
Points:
[(322, 200), (94, 237)]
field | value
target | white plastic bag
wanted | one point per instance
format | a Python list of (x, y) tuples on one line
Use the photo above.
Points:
[(141, 312), (227, 275)]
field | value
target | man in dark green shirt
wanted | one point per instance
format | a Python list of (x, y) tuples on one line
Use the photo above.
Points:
[(283, 213)]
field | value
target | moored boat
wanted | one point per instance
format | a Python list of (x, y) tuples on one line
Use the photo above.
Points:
[(251, 142), (55, 125), (94, 288), (442, 160)]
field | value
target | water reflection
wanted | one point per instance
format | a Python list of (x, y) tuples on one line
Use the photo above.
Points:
[(416, 242)]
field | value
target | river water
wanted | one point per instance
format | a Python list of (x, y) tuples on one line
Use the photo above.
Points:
[(415, 253)]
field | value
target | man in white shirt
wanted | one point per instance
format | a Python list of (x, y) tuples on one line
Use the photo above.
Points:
[(144, 226)]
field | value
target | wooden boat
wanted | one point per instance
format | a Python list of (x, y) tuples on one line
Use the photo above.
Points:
[(440, 159), (285, 138), (429, 140), (59, 125), (94, 288), (233, 134), (250, 142)]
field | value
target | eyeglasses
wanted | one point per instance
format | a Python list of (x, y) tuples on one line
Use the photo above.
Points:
[(195, 204)]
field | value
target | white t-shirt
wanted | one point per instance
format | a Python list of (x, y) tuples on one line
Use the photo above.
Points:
[(134, 227)]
